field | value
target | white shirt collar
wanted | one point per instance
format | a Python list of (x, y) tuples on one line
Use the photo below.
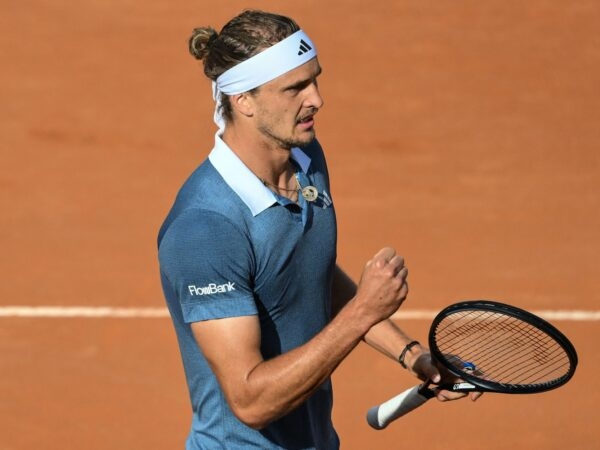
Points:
[(242, 180)]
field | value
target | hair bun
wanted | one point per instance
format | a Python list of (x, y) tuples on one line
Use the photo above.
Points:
[(200, 41)]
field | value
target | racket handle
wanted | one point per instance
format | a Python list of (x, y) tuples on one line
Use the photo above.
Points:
[(382, 415)]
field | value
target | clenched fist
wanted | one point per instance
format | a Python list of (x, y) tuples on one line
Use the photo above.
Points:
[(383, 286)]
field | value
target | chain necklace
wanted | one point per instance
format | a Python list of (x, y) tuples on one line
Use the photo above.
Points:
[(279, 188), (292, 194), (310, 193)]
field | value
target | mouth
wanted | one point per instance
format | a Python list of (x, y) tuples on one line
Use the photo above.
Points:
[(307, 121)]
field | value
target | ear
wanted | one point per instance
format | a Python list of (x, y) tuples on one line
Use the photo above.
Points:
[(243, 104)]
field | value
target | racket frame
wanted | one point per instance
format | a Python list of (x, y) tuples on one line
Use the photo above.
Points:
[(483, 385)]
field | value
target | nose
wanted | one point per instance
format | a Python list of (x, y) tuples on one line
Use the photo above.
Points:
[(313, 98)]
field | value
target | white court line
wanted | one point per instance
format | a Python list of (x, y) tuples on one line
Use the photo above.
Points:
[(115, 312), (81, 311)]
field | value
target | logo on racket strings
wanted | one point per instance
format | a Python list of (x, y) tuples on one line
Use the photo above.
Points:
[(212, 288)]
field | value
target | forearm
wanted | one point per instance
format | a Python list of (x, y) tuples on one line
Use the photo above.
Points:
[(277, 386), (388, 338)]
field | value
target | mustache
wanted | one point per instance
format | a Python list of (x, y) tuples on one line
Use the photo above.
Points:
[(311, 112)]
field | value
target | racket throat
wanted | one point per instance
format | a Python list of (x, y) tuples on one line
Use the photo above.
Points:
[(425, 391)]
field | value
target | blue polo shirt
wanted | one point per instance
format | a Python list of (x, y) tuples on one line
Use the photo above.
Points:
[(231, 247)]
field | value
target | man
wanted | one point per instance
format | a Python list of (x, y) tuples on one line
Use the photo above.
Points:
[(262, 312)]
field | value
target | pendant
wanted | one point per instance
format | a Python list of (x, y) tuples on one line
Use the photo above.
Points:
[(310, 193)]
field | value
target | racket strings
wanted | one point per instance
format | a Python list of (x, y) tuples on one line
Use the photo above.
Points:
[(511, 337), (500, 364), (504, 348), (514, 352)]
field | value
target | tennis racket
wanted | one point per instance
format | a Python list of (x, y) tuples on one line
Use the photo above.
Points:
[(489, 347)]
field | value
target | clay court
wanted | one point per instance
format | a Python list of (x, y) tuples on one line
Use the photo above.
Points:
[(465, 134)]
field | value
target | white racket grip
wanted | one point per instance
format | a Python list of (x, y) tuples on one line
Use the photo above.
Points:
[(381, 415)]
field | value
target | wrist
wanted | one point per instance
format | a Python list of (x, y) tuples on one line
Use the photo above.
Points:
[(409, 353), (352, 315)]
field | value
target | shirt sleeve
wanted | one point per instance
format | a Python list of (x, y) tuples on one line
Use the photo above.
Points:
[(208, 262)]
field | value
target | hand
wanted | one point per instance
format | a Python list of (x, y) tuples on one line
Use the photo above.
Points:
[(382, 287), (422, 366)]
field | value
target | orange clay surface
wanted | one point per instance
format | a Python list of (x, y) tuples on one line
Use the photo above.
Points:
[(465, 134)]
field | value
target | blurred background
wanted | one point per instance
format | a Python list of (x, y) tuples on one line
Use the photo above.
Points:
[(465, 134)]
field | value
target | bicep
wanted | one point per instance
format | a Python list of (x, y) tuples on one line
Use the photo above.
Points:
[(232, 348)]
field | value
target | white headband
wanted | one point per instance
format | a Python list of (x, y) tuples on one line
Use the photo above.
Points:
[(263, 67)]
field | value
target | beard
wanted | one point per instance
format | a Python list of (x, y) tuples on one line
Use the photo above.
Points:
[(289, 141)]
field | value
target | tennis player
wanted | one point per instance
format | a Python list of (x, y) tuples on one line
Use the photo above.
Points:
[(262, 312)]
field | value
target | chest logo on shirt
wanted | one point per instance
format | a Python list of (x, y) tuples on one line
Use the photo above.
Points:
[(212, 288), (326, 199), (322, 200)]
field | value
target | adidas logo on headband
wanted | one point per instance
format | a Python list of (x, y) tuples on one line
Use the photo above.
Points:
[(304, 47)]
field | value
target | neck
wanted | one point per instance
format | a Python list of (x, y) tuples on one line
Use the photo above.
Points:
[(269, 162)]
